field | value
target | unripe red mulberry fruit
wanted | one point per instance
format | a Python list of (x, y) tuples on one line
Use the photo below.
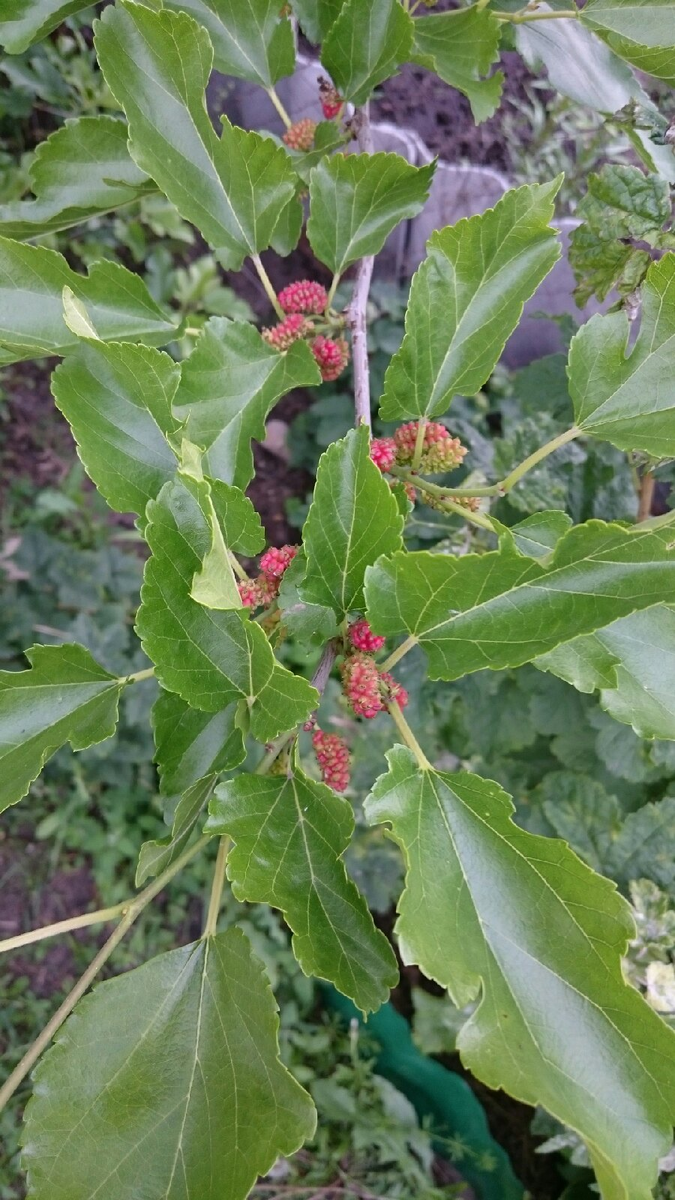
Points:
[(332, 355), (394, 690), (332, 755), (440, 451), (362, 637), (383, 452), (290, 330), (331, 100), (300, 136), (249, 593), (275, 560), (304, 296), (361, 685), (448, 504)]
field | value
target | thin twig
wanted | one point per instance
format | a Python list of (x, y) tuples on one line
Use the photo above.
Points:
[(100, 917), (358, 305)]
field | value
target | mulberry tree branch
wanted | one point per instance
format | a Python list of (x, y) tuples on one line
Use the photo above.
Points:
[(357, 308)]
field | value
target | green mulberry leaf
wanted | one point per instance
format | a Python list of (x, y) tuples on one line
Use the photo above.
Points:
[(117, 398), (232, 187), (632, 664), (518, 922), (289, 835), (228, 385), (32, 280), (250, 39), (641, 31), (209, 658), (80, 171), (32, 20), (353, 519), (461, 47), (365, 45), (186, 1094), (466, 299), (502, 609), (645, 846), (64, 697), (307, 622), (629, 400), (356, 200), (317, 16)]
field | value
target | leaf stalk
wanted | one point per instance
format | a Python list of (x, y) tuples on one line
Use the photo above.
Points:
[(211, 923), (267, 285), (408, 735)]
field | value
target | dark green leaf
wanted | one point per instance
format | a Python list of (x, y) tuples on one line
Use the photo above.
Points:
[(185, 1096), (316, 16), (502, 610), (353, 519), (495, 913), (232, 188), (629, 400), (461, 47), (477, 276), (209, 658), (645, 847), (64, 697), (365, 45), (82, 170), (313, 623), (190, 744), (228, 386), (623, 202), (250, 38), (181, 814), (356, 200), (539, 534), (601, 265), (582, 812), (289, 836), (32, 280), (117, 398)]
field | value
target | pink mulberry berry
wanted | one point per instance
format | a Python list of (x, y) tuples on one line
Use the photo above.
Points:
[(331, 100), (331, 355), (290, 330), (275, 560), (300, 136), (393, 689), (304, 296), (440, 451), (257, 593), (383, 452), (362, 637), (332, 755), (360, 684)]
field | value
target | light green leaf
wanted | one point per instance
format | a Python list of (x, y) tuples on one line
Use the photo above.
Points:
[(632, 664), (629, 400), (477, 276), (32, 280), (232, 188), (64, 697), (117, 398), (317, 16), (353, 519), (493, 912), (502, 610), (641, 31), (579, 65), (235, 512), (356, 200), (601, 265), (289, 835), (229, 384), (645, 847), (461, 47), (288, 228), (31, 20), (185, 1096), (190, 744), (80, 171), (209, 658), (623, 202), (250, 39), (313, 623), (214, 584), (539, 534), (365, 45), (437, 1022)]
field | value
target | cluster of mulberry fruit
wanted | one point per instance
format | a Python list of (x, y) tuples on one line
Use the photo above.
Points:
[(367, 689), (440, 452), (261, 591), (332, 755), (300, 302)]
